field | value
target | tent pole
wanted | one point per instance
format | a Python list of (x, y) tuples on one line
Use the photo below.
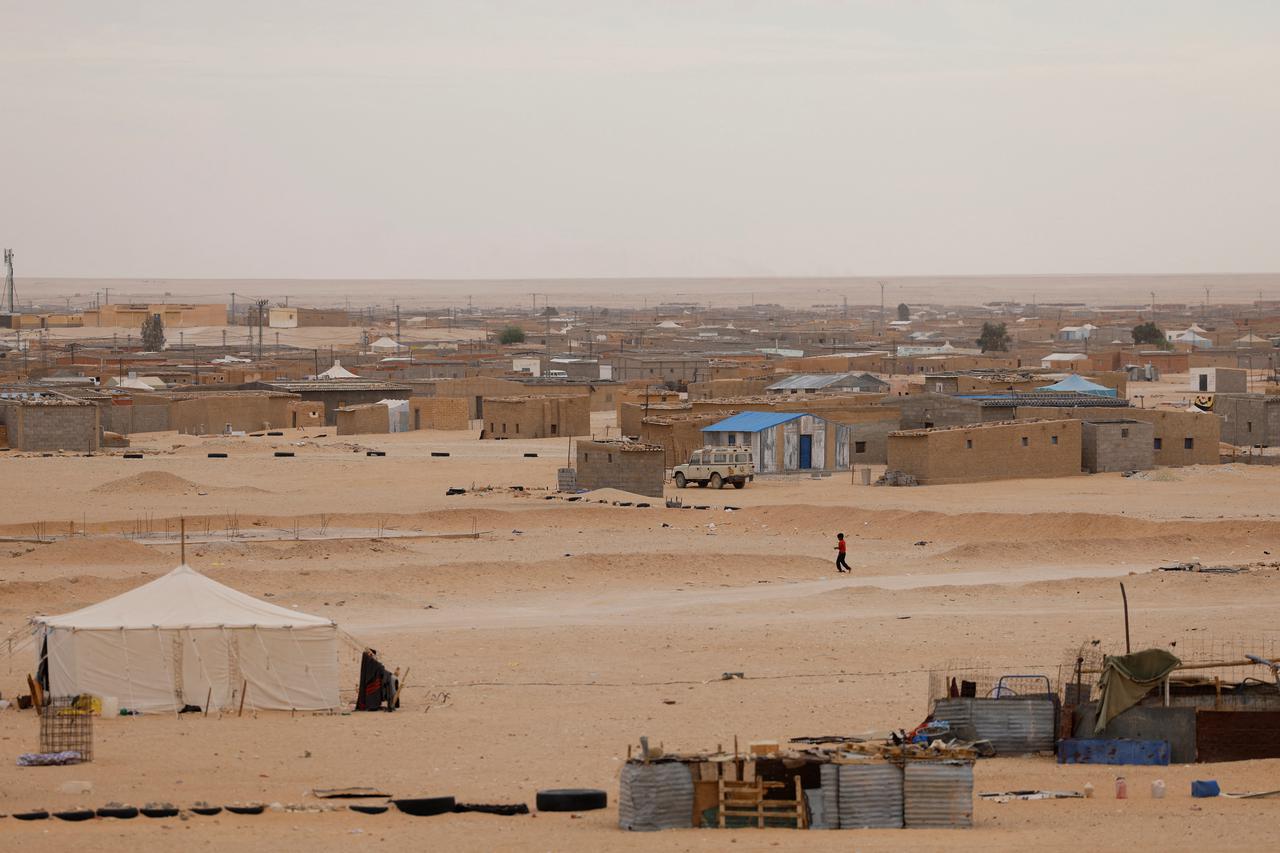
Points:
[(182, 527), (1127, 648)]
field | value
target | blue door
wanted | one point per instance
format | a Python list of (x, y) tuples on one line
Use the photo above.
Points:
[(806, 451)]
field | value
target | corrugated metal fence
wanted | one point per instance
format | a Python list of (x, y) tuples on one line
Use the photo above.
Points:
[(1015, 726), (862, 796), (655, 796), (938, 794)]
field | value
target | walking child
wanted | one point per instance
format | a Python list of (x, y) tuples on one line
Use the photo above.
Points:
[(841, 547)]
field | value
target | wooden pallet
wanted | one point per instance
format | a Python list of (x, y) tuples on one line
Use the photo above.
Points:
[(746, 799)]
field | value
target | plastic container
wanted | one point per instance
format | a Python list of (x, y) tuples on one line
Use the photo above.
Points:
[(110, 706), (1157, 789), (1122, 788), (1088, 790), (1205, 788)]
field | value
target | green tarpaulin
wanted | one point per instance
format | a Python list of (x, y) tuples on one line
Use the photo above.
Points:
[(1127, 678)]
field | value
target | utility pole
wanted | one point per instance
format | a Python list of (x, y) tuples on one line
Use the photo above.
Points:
[(233, 309), (107, 297), (1205, 307), (882, 307), (262, 316), (397, 324), (1153, 306)]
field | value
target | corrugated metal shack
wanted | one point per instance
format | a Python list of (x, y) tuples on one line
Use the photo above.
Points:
[(1218, 701), (832, 786)]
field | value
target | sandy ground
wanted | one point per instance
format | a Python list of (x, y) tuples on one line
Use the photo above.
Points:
[(563, 631)]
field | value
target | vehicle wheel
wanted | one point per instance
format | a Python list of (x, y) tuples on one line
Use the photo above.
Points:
[(738, 484), (680, 481), (572, 800), (716, 482)]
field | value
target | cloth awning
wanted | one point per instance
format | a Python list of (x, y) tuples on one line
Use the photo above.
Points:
[(1127, 678)]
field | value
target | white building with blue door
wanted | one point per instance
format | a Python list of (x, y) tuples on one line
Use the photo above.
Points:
[(784, 441)]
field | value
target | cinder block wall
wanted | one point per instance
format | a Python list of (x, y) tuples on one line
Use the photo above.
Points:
[(1248, 420), (608, 465), (1117, 446), (35, 428)]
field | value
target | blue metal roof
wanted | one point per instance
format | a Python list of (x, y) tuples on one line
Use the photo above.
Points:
[(752, 421)]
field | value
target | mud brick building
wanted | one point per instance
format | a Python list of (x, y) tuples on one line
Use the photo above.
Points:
[(994, 451), (536, 417), (438, 413), (631, 467)]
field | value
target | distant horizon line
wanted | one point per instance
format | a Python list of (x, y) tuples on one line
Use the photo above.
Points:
[(668, 277)]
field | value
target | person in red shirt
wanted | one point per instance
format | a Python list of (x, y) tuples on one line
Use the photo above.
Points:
[(841, 565)]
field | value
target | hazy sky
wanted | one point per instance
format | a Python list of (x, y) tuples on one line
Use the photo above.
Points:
[(606, 138)]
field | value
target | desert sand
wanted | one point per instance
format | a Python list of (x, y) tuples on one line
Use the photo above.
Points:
[(544, 636)]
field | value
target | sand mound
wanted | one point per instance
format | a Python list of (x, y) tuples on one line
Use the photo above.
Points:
[(86, 552), (147, 483), (164, 483)]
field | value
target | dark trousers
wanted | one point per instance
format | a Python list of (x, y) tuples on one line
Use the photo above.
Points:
[(841, 565)]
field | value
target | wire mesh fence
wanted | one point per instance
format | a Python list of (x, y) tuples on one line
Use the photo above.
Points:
[(66, 725), (987, 681)]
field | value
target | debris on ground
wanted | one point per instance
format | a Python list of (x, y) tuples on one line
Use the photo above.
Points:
[(1196, 566)]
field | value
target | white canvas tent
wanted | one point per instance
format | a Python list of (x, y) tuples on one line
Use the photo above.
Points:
[(337, 371), (170, 642)]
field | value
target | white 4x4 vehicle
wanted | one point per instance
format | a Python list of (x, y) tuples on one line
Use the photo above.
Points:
[(717, 467)]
